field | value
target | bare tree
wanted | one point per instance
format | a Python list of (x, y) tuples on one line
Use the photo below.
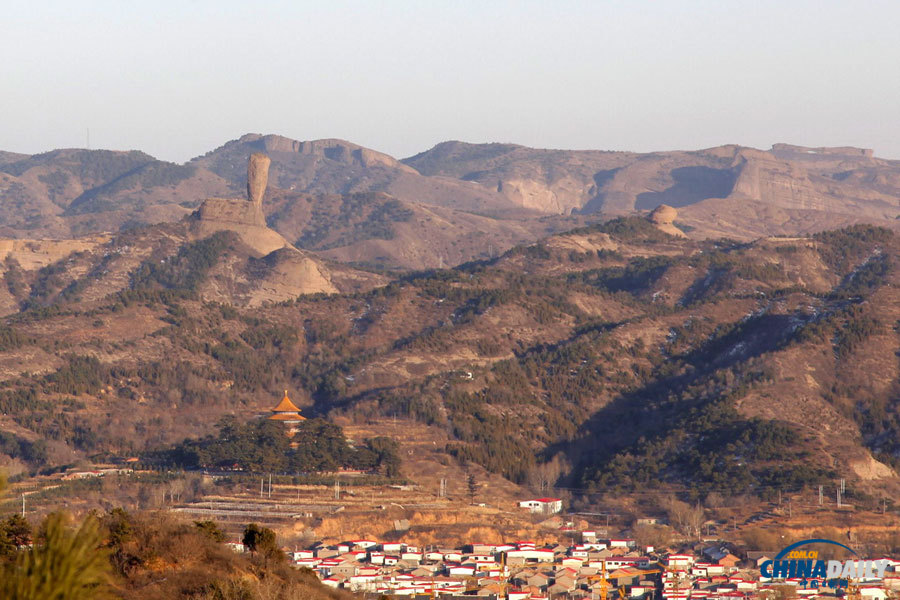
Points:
[(658, 536), (686, 518), (545, 475), (714, 500)]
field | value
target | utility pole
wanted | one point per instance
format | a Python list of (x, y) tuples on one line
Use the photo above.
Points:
[(820, 495), (337, 489), (270, 485), (838, 497), (843, 489), (261, 484), (23, 505)]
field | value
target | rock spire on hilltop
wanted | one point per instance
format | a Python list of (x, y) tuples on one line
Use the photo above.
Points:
[(243, 216), (257, 177)]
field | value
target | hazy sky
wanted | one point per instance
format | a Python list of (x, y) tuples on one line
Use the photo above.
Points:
[(176, 79)]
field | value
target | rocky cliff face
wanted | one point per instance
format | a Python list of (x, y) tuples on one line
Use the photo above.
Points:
[(802, 184), (241, 217), (834, 180), (763, 177)]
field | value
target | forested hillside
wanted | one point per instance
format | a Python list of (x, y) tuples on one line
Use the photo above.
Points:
[(610, 357)]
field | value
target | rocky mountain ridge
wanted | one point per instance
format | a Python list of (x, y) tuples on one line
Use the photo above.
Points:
[(483, 197)]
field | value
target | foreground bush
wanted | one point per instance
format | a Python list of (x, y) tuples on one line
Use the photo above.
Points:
[(151, 556), (63, 564)]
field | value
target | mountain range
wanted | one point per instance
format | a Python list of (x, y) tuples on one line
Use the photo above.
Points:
[(454, 202), (599, 323)]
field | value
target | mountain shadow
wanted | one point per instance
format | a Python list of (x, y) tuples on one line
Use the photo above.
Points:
[(692, 184)]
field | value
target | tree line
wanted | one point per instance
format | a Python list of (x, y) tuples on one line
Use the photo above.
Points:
[(263, 446)]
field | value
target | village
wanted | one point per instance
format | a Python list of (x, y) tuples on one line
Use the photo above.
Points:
[(592, 567), (576, 555)]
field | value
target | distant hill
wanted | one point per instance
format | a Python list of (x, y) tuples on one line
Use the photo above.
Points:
[(805, 184), (356, 205), (66, 193), (455, 202), (339, 167)]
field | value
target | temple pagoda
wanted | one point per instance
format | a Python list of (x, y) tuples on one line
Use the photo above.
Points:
[(288, 413)]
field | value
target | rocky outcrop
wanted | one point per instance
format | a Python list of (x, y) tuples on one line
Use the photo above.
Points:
[(241, 217), (278, 271), (257, 177), (231, 210), (562, 196), (663, 216), (244, 217), (868, 468)]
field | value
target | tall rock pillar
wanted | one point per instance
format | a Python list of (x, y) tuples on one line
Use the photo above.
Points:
[(257, 177)]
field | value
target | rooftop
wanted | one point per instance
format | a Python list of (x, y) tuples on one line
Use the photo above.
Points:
[(286, 410)]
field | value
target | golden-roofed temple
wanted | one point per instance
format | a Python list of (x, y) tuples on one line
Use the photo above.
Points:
[(288, 413)]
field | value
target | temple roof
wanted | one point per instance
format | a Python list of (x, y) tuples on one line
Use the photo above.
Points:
[(286, 406), (285, 416)]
